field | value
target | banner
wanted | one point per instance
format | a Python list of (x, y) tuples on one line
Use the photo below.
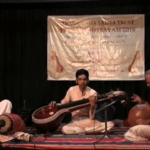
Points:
[(110, 47)]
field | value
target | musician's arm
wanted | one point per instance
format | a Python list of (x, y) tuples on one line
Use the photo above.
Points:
[(92, 113), (92, 100), (67, 97), (137, 99), (63, 101)]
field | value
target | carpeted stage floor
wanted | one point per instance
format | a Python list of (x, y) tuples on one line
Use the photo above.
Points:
[(57, 140)]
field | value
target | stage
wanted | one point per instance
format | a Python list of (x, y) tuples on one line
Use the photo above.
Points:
[(58, 140)]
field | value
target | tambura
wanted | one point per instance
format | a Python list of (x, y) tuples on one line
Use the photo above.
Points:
[(11, 123)]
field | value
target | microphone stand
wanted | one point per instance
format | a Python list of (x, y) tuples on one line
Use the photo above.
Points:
[(106, 133)]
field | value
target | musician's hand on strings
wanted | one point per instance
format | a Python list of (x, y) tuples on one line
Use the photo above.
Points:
[(92, 100), (53, 104), (135, 98)]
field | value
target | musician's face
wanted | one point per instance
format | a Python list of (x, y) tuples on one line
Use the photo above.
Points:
[(82, 81), (147, 78)]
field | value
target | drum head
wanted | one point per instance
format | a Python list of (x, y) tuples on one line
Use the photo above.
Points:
[(8, 124)]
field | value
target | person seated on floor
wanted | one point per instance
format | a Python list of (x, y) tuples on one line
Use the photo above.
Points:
[(138, 99), (141, 131), (83, 120), (111, 111), (5, 106)]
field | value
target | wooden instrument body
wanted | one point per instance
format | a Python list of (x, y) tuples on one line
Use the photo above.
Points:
[(139, 114), (49, 118), (13, 123)]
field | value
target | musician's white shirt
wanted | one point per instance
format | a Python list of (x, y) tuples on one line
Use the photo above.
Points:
[(75, 94)]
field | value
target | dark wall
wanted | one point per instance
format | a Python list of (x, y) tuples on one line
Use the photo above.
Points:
[(23, 51)]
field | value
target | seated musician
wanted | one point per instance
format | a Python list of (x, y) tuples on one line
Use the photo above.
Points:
[(83, 120), (142, 131), (137, 98), (5, 106)]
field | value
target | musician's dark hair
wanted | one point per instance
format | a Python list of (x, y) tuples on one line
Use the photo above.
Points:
[(82, 71)]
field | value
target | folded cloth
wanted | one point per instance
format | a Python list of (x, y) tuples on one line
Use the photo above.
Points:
[(138, 133), (17, 135)]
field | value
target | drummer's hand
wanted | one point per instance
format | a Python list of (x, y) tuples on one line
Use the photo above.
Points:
[(92, 100), (135, 98), (53, 104)]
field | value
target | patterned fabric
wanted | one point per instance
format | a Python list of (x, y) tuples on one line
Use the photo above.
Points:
[(115, 141)]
